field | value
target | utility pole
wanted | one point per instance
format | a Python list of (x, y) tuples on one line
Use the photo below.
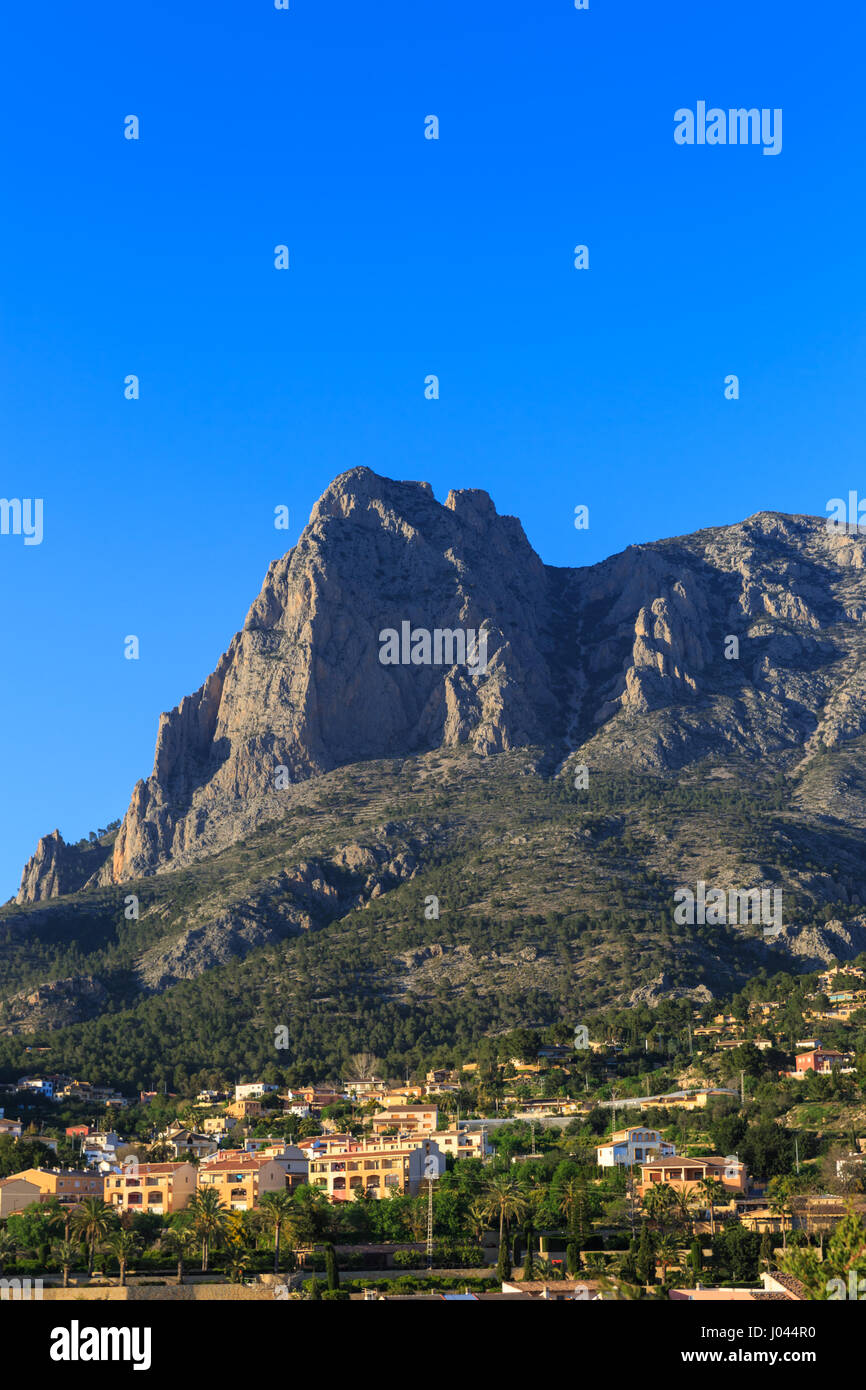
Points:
[(797, 1153), (742, 1088), (429, 1225), (532, 1128)]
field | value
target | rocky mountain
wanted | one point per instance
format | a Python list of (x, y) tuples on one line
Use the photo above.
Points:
[(738, 642), (688, 710)]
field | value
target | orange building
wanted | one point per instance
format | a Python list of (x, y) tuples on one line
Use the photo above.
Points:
[(684, 1173), (67, 1185)]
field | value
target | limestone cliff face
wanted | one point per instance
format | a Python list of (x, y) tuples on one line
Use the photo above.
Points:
[(626, 663), (302, 686)]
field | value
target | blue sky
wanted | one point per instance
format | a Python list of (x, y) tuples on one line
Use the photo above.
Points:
[(408, 257)]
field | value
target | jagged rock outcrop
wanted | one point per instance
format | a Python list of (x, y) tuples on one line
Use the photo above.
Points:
[(302, 687), (816, 947), (56, 868), (743, 642), (663, 989)]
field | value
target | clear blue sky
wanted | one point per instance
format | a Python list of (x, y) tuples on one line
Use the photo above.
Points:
[(408, 257)]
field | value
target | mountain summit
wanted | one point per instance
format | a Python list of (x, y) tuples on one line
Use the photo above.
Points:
[(742, 642)]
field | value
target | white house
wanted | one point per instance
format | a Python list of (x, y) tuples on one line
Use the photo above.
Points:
[(251, 1090), (637, 1144)]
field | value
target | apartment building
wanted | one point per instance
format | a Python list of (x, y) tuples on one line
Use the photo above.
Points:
[(293, 1160), (377, 1169), (406, 1119), (161, 1188), (66, 1184), (241, 1182), (463, 1142)]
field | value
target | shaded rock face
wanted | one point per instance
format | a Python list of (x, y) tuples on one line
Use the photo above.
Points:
[(622, 664), (54, 1005)]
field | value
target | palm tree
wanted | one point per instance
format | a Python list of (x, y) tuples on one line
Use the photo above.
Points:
[(542, 1268), (66, 1253), (687, 1201), (209, 1219), (278, 1209), (180, 1241), (123, 1245), (667, 1254), (92, 1221), (658, 1201), (712, 1190), (8, 1247), (779, 1200), (503, 1197), (478, 1216), (57, 1215)]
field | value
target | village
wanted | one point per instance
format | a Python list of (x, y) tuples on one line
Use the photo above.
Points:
[(535, 1170)]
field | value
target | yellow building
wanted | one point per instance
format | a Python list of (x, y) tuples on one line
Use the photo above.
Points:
[(161, 1188), (240, 1182), (68, 1186), (376, 1168)]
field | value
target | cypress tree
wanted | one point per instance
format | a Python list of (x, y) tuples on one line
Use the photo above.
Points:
[(645, 1261), (331, 1269)]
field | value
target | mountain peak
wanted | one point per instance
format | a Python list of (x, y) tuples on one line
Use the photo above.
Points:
[(630, 662)]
